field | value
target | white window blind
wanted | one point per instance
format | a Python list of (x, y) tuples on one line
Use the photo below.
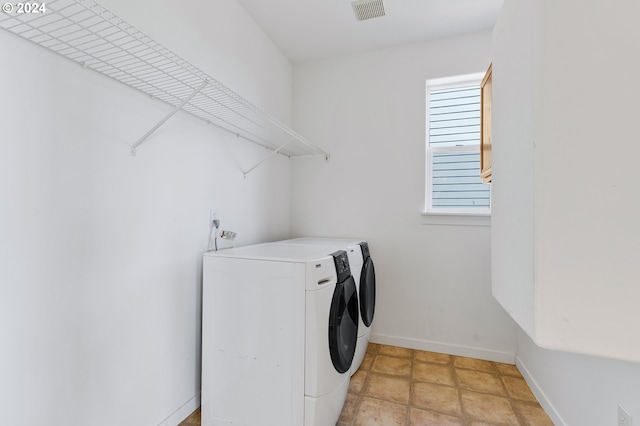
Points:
[(453, 148)]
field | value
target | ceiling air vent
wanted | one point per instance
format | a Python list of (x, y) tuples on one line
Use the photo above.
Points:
[(367, 9)]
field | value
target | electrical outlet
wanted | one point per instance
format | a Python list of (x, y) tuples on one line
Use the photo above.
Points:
[(624, 418)]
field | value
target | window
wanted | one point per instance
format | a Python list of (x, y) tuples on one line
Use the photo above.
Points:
[(453, 183)]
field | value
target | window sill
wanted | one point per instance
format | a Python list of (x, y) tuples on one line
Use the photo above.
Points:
[(456, 219)]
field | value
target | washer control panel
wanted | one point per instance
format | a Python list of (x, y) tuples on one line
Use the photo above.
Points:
[(341, 260)]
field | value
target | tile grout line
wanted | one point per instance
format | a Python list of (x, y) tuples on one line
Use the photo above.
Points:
[(452, 360), (407, 419), (374, 355), (512, 400), (358, 402), (507, 394), (365, 382)]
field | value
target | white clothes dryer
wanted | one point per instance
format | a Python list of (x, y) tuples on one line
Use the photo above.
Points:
[(364, 275), (363, 272), (279, 332)]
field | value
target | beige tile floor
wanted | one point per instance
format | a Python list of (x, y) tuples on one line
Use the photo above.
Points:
[(405, 387)]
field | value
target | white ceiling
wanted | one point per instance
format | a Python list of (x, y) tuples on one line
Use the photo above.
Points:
[(307, 30)]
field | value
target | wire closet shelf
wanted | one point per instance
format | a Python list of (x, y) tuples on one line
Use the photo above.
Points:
[(87, 33)]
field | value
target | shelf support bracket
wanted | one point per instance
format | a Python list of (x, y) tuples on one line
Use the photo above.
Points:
[(168, 116), (271, 154)]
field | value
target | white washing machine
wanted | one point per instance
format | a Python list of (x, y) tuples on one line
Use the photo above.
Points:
[(363, 272), (279, 331)]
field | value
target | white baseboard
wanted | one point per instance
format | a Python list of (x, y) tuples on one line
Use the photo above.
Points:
[(183, 412), (425, 345), (540, 395)]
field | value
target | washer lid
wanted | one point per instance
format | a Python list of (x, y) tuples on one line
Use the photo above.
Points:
[(321, 241), (274, 252)]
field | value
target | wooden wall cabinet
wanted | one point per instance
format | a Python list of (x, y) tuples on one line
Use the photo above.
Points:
[(485, 127)]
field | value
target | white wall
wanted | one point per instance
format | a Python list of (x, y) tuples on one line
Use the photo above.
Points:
[(579, 390), (368, 111), (565, 221), (100, 252)]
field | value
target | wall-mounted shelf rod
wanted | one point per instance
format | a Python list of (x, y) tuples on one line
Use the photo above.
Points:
[(272, 153)]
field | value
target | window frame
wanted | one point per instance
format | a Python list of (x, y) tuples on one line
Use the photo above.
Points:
[(466, 80)]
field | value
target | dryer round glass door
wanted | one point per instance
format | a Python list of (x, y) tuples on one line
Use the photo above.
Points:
[(343, 324), (367, 292)]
